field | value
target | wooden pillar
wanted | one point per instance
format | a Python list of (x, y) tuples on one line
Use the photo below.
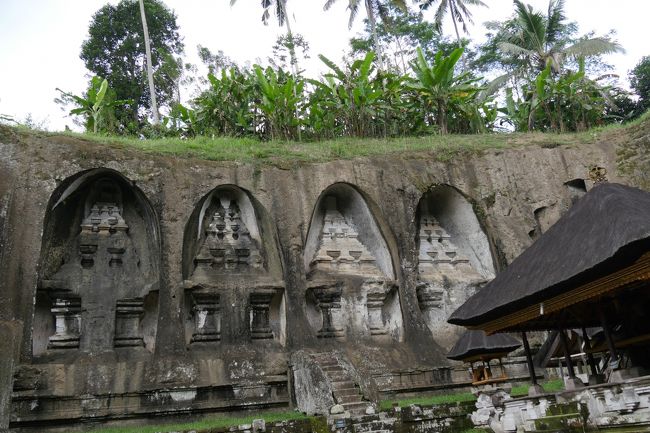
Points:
[(613, 361), (590, 356), (567, 354), (529, 359)]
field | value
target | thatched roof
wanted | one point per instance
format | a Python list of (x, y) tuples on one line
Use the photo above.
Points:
[(607, 229), (474, 344)]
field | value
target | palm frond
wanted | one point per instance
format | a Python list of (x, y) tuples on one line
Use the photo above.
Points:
[(514, 49), (440, 13), (593, 47), (328, 4), (533, 24), (554, 20)]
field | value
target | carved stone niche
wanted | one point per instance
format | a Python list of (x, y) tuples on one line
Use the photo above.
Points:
[(328, 301), (99, 251), (207, 317)]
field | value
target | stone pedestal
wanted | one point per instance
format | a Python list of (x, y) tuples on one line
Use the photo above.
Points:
[(67, 317), (329, 302), (375, 299), (128, 313), (207, 318), (260, 303)]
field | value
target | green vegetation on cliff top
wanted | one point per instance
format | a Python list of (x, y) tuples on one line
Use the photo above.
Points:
[(438, 147)]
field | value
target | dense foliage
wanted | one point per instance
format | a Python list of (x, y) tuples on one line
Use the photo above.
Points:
[(402, 77)]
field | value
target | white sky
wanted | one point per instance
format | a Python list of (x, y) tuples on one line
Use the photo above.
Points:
[(40, 40)]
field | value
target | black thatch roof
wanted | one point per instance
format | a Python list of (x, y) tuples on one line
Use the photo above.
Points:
[(473, 344), (608, 228)]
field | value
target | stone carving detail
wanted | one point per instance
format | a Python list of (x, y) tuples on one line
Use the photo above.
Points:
[(329, 303), (340, 249), (260, 303), (438, 254), (228, 246), (207, 318), (67, 316), (430, 297), (128, 313)]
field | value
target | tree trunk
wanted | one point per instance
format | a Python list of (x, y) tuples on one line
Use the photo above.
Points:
[(442, 116), (452, 12), (294, 59), (147, 47), (373, 28)]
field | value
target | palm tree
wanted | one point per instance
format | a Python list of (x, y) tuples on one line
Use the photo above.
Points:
[(374, 9), (540, 40), (458, 9), (283, 20), (147, 48)]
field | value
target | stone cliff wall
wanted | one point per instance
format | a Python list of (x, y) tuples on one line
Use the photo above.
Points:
[(214, 273)]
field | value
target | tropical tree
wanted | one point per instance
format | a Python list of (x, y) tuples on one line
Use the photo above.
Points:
[(398, 34), (115, 50), (442, 89), (640, 83), (147, 47), (374, 9), (457, 9), (96, 106), (540, 39)]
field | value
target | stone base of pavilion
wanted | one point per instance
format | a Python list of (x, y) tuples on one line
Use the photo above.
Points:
[(623, 404)]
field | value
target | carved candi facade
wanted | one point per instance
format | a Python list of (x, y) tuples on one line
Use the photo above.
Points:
[(451, 267), (230, 273), (100, 266), (351, 293)]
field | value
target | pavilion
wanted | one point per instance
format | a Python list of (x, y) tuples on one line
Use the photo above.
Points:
[(590, 269)]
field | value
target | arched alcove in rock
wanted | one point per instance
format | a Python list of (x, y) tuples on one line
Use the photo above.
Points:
[(351, 291), (232, 271), (99, 268), (454, 258)]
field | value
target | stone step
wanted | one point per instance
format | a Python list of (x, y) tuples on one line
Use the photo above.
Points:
[(343, 399), (356, 408), (338, 376), (332, 368), (346, 384), (347, 391)]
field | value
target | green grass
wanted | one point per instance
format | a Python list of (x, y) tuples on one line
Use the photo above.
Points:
[(218, 422), (549, 386), (517, 391), (437, 147), (430, 400)]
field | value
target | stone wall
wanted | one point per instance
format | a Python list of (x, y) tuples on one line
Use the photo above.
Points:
[(134, 275)]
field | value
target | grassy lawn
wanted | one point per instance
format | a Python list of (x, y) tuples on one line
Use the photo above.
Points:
[(215, 422), (438, 147)]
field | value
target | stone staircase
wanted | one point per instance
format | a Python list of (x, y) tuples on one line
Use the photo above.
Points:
[(345, 390)]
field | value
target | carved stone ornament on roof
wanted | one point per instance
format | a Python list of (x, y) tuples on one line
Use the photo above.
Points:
[(340, 250), (439, 255), (228, 246)]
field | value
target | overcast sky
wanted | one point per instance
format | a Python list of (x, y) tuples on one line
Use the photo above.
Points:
[(40, 40)]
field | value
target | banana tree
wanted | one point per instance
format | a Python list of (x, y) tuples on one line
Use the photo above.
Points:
[(280, 102), (95, 104), (440, 88)]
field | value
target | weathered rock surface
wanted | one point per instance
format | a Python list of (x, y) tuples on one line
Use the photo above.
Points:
[(225, 341)]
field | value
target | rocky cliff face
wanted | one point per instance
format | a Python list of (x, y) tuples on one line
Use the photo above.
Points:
[(134, 274)]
